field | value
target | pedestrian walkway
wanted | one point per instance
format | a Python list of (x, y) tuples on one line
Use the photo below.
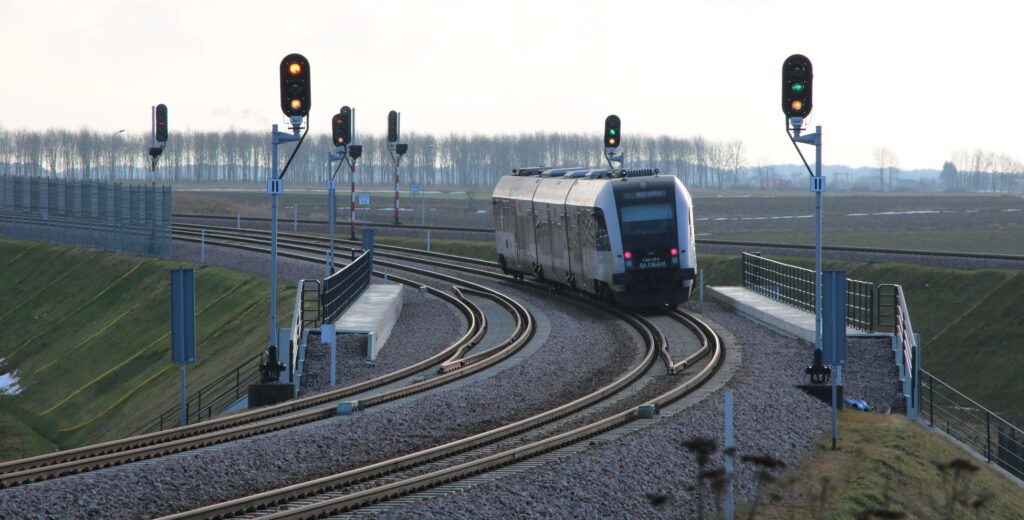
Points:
[(772, 314)]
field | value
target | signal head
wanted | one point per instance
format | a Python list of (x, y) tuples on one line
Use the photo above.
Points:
[(797, 79), (341, 127), (393, 126), (612, 131), (295, 85), (161, 123)]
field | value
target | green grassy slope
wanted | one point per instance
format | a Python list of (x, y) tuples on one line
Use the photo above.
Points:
[(91, 345), (886, 466)]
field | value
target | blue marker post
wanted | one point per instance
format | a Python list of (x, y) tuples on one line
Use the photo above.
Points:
[(183, 326), (834, 335)]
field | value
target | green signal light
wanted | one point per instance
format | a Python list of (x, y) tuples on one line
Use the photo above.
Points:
[(797, 87), (611, 131)]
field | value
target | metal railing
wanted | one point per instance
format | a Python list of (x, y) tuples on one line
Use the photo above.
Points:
[(310, 310), (342, 288), (210, 400), (306, 315), (948, 410), (794, 286), (928, 399), (906, 344)]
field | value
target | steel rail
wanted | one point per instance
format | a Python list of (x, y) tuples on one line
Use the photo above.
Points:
[(333, 505), (990, 256), (148, 445), (220, 429), (652, 339)]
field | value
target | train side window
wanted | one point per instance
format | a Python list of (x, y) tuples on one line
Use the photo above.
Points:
[(601, 231)]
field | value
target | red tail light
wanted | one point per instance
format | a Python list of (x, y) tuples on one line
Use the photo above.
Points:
[(674, 251), (627, 255)]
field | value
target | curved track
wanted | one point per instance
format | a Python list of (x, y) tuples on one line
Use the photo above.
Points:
[(479, 453), (450, 362), (519, 442)]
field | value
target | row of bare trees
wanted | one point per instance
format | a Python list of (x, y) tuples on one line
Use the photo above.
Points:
[(243, 156), (982, 171), (968, 171)]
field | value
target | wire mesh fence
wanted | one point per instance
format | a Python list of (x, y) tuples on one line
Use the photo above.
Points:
[(133, 219)]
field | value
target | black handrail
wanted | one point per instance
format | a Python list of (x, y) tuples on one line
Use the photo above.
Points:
[(794, 286), (948, 410), (210, 400), (342, 288)]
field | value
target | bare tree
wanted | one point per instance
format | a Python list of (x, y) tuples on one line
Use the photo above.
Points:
[(887, 164)]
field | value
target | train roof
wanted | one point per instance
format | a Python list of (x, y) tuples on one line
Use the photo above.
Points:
[(578, 186), (584, 172)]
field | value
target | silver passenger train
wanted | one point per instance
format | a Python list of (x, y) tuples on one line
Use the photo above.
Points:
[(620, 235)]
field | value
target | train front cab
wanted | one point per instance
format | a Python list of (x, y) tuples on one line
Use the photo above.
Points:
[(656, 245)]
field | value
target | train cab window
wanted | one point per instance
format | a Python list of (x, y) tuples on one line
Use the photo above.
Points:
[(601, 231), (647, 219)]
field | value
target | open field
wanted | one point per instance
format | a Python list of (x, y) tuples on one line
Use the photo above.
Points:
[(87, 336), (941, 222)]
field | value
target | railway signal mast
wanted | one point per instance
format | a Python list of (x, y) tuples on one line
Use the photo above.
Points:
[(612, 140), (157, 136), (296, 99), (397, 150), (797, 89), (343, 132), (341, 135)]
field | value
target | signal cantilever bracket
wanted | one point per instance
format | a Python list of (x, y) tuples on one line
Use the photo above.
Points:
[(609, 154)]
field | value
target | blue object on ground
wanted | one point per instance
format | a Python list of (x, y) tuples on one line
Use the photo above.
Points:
[(858, 404)]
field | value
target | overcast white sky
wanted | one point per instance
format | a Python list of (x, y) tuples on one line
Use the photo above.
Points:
[(924, 78)]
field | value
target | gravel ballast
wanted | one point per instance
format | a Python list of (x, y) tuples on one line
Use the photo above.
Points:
[(582, 350)]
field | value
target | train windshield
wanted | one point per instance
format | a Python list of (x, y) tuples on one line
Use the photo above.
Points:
[(647, 219)]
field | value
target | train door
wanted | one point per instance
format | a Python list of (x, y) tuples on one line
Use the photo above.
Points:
[(525, 235), (558, 242), (577, 235)]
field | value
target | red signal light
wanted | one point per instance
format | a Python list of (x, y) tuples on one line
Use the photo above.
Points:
[(674, 251), (627, 255), (295, 69)]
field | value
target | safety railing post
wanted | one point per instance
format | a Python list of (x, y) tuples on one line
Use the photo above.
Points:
[(988, 436)]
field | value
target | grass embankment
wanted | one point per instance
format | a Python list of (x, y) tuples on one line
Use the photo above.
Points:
[(886, 463), (87, 333)]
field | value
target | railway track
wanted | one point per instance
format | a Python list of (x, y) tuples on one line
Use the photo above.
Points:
[(452, 363), (457, 360), (526, 442), (732, 243)]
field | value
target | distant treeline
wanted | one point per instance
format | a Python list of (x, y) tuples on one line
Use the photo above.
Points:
[(982, 171), (244, 157)]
